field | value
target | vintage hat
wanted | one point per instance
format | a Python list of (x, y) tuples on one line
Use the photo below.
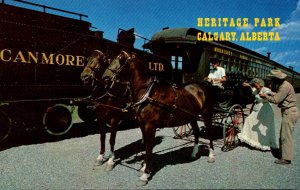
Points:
[(214, 60), (275, 73)]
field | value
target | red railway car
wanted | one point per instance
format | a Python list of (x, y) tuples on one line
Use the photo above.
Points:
[(41, 58)]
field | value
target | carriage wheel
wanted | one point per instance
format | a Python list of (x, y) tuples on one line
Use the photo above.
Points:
[(233, 125), (183, 131)]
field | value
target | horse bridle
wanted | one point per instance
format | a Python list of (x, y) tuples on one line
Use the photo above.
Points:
[(95, 69), (118, 70), (113, 80)]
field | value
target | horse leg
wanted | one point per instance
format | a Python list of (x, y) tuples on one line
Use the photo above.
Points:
[(100, 159), (142, 147), (143, 138), (196, 132), (149, 141), (208, 123), (112, 140)]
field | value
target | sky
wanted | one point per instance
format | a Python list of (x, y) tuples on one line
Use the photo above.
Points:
[(150, 16)]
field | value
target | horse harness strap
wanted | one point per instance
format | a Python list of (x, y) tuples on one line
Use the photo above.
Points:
[(111, 107), (146, 98), (173, 107), (99, 104), (147, 93), (108, 94)]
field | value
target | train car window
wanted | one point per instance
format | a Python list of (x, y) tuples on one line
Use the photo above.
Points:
[(245, 68), (225, 67), (249, 69), (177, 62), (252, 72), (259, 71), (173, 61), (255, 69)]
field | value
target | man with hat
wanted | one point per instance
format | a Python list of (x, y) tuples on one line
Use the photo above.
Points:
[(285, 97), (217, 75)]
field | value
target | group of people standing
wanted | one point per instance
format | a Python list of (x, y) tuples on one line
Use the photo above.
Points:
[(259, 127)]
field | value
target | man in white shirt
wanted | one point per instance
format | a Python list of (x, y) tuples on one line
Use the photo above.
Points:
[(217, 75)]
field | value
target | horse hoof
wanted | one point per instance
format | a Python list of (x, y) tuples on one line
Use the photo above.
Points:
[(140, 174), (211, 160), (109, 167), (141, 183), (193, 158), (195, 151)]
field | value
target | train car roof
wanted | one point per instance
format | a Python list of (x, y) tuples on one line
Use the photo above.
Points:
[(186, 35), (189, 36)]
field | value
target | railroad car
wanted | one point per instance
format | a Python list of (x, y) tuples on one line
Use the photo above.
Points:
[(41, 58), (190, 57)]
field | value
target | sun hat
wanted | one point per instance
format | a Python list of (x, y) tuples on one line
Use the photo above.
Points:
[(276, 73)]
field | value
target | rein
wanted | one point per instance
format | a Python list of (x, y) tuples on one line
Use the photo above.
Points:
[(111, 107)]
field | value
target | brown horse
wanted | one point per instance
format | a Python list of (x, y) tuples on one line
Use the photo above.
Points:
[(109, 99), (159, 104), (109, 96)]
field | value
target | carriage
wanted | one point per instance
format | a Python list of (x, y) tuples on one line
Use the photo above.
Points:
[(229, 114)]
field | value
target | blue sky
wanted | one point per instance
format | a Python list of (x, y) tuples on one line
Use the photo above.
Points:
[(150, 16)]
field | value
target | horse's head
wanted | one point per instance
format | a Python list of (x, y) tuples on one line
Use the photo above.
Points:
[(96, 63), (127, 38), (117, 66)]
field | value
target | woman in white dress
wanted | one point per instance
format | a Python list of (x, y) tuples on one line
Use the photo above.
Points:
[(259, 128)]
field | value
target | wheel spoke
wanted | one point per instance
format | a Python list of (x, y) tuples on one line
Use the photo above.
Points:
[(182, 131), (234, 122)]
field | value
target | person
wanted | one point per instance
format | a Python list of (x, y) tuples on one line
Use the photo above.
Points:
[(217, 75), (259, 127), (127, 39), (285, 97)]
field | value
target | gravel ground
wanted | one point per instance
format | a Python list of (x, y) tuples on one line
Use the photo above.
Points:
[(69, 164)]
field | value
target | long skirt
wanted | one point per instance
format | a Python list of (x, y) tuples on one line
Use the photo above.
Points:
[(259, 128)]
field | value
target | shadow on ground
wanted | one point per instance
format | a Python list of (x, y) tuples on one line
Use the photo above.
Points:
[(179, 154), (21, 136)]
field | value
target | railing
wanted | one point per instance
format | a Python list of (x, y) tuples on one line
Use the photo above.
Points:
[(51, 8)]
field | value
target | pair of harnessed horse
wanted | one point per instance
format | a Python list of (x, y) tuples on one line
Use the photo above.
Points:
[(154, 101)]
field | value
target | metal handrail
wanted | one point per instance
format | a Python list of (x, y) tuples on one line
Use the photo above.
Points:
[(52, 8)]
